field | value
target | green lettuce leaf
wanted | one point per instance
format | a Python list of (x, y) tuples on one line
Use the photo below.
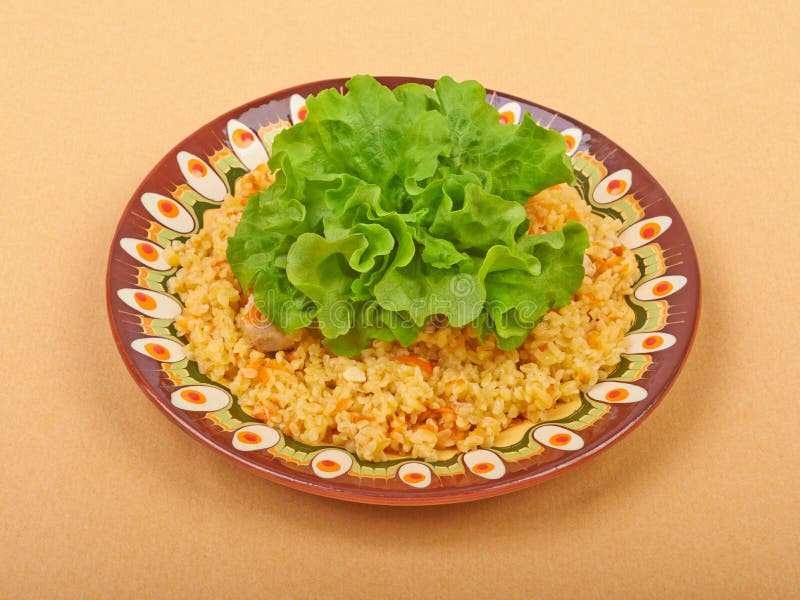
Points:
[(391, 206)]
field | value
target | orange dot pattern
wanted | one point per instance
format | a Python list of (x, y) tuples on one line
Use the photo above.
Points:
[(662, 289), (652, 342), (248, 437), (167, 208), (413, 477), (649, 231), (197, 168), (483, 467), (560, 439), (146, 251), (157, 351), (616, 187), (193, 396), (570, 142), (617, 395), (302, 113), (242, 138), (507, 117), (328, 466), (144, 301)]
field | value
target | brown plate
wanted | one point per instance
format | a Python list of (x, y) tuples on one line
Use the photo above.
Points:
[(197, 173)]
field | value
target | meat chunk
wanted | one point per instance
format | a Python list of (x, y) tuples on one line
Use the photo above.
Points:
[(264, 336)]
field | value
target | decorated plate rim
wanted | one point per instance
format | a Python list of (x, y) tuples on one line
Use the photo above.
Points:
[(428, 496)]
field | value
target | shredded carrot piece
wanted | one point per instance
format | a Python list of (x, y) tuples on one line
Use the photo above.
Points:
[(572, 216), (415, 361), (341, 405), (274, 364), (608, 264), (255, 364), (265, 372)]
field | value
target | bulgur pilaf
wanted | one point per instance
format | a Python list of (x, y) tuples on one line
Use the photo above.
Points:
[(447, 391)]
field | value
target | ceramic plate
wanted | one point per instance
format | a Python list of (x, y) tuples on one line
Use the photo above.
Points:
[(197, 174)]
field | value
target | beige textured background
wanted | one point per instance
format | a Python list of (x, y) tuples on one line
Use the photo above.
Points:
[(100, 496)]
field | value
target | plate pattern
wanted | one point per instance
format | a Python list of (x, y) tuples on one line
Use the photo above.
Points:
[(198, 174)]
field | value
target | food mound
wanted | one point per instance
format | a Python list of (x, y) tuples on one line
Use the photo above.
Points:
[(408, 276)]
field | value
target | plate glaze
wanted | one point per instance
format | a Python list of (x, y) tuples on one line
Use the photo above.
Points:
[(196, 175)]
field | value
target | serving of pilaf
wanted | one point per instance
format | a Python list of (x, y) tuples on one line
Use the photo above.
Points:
[(446, 392)]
